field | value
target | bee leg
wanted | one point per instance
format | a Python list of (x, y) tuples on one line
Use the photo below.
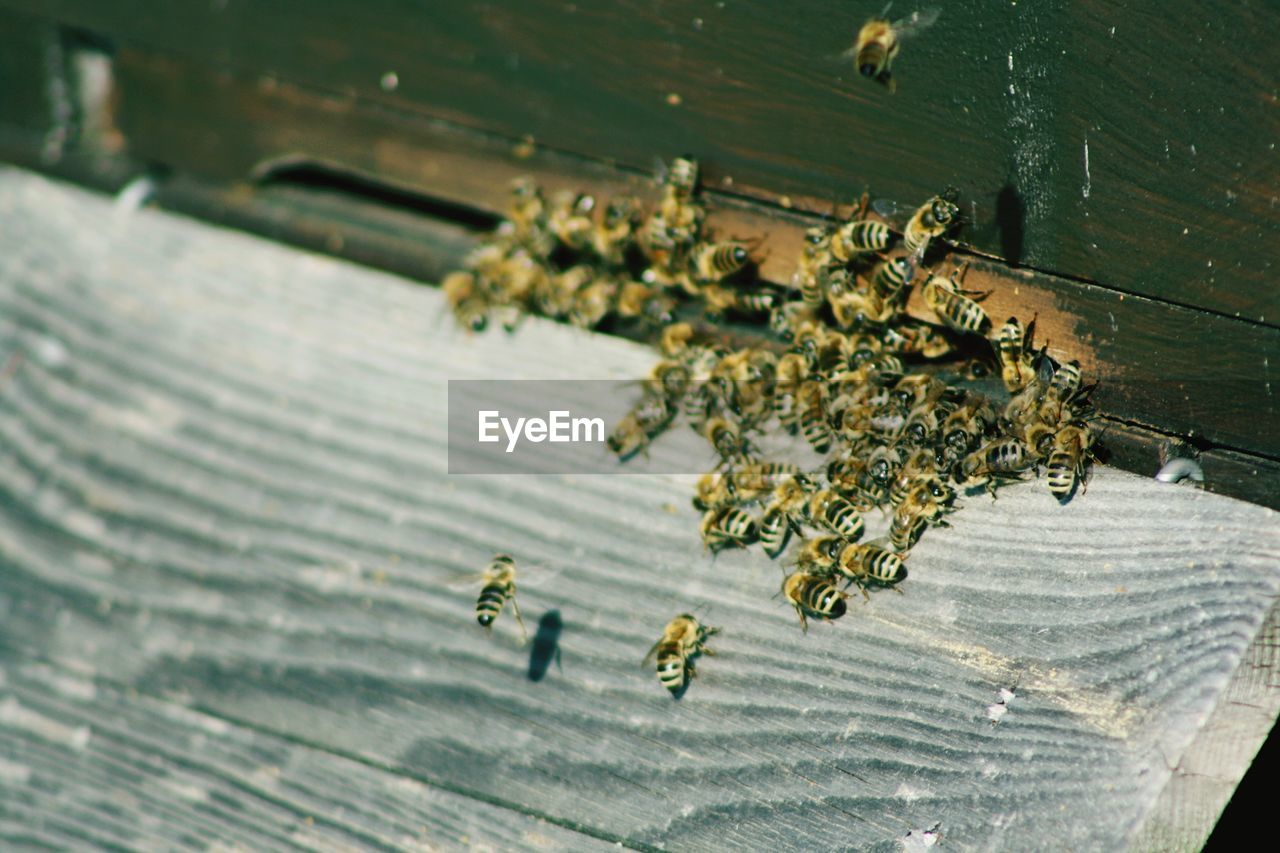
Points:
[(804, 622), (865, 595), (515, 610)]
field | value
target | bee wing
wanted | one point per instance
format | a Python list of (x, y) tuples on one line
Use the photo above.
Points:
[(916, 22), (465, 581), (890, 209), (536, 575), (649, 657)]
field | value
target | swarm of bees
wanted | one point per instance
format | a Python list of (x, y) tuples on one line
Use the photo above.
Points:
[(843, 368)]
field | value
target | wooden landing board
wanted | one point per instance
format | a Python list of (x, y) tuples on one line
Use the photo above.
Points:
[(223, 466)]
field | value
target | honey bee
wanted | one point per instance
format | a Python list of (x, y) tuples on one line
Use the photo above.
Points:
[(467, 301), (879, 42), (891, 276), (786, 317), (870, 564), (718, 299), (675, 338), (926, 503), (591, 303), (682, 640), (932, 219), (680, 179), (616, 229), (640, 426), (965, 427), (1002, 458), (527, 212), (958, 308), (828, 509), (758, 478), (727, 527), (920, 466), (569, 217), (883, 465), (727, 439), (1064, 390), (819, 554), (714, 490), (716, 261), (1067, 460), (1013, 346), (791, 373), (815, 258), (917, 339), (859, 237), (499, 588), (779, 518), (855, 310), (813, 595), (811, 400), (636, 301)]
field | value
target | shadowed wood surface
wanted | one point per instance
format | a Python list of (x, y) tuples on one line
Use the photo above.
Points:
[(1080, 147), (224, 472)]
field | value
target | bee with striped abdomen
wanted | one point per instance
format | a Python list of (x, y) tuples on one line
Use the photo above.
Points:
[(859, 237), (727, 527), (925, 503), (499, 588), (828, 509), (880, 40), (1067, 460), (813, 595), (779, 520), (891, 277), (930, 221), (871, 565), (682, 641), (711, 262), (650, 417), (1002, 458), (958, 308), (1013, 346)]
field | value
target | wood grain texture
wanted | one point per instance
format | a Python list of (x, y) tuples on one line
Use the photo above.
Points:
[(1220, 388), (1080, 147), (88, 763), (224, 467)]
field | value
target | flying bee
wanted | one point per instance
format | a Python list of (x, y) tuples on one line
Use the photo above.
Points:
[(1013, 346), (813, 595), (870, 564), (958, 308), (727, 527), (650, 417), (926, 503), (617, 227), (717, 261), (879, 42), (499, 588), (891, 276), (569, 217), (1068, 458), (682, 640), (828, 509), (932, 219), (779, 519), (469, 304)]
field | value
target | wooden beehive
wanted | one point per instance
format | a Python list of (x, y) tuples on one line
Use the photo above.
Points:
[(1125, 201)]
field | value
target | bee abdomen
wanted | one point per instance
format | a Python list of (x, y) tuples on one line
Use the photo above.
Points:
[(671, 671), (775, 532), (1061, 474), (884, 566), (843, 518), (489, 605)]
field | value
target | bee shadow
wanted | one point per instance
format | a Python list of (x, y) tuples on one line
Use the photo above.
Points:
[(1011, 219), (546, 645)]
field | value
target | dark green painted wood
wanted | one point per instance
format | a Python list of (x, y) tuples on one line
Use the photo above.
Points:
[(26, 112), (1177, 106)]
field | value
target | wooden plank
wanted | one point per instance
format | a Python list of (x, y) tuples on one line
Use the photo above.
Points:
[(226, 467), (1079, 148), (28, 47), (84, 762), (1137, 347)]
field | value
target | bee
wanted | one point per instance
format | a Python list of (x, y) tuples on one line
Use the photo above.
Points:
[(859, 237), (791, 373), (786, 317), (569, 218), (1057, 403), (1013, 346), (1067, 460), (870, 564), (958, 308), (813, 595), (920, 466), (965, 427), (727, 439), (811, 399), (617, 227), (670, 380), (849, 476), (815, 258), (717, 261), (640, 426), (680, 179), (926, 503), (819, 554), (682, 640), (714, 490), (718, 299), (1004, 458), (891, 276), (727, 527), (757, 478), (636, 301), (855, 310), (499, 588), (931, 220), (883, 465), (675, 339), (917, 339), (879, 42), (527, 212), (778, 521), (467, 301), (591, 303), (922, 423), (828, 509)]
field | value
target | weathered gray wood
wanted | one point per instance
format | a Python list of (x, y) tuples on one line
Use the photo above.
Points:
[(223, 467), (85, 762)]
